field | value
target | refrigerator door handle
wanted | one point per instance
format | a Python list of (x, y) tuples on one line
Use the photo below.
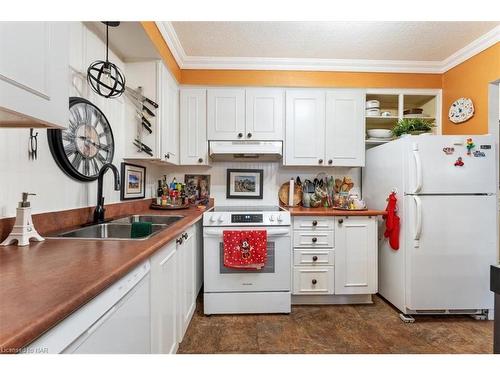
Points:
[(418, 225), (418, 168)]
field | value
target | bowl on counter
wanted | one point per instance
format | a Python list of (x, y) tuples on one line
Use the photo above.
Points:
[(379, 133)]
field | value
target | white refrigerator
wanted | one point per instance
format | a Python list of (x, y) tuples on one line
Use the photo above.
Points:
[(448, 211)]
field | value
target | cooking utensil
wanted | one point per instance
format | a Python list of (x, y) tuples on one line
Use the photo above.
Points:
[(283, 194), (139, 105), (143, 147), (139, 97)]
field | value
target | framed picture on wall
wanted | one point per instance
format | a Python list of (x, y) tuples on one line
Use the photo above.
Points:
[(244, 183), (197, 186), (133, 184)]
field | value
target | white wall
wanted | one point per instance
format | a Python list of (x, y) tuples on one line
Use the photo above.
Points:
[(274, 176), (55, 190)]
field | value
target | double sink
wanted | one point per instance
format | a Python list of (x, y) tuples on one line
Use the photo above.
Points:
[(121, 229)]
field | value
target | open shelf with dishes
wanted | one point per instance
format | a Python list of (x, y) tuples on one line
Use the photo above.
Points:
[(385, 107)]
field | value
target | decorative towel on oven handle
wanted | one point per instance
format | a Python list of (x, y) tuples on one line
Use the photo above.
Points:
[(245, 248)]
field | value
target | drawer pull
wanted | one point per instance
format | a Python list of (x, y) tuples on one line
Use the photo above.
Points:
[(341, 221), (314, 281), (314, 239), (314, 223), (315, 258)]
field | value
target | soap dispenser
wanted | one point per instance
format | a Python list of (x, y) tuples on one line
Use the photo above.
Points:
[(23, 229)]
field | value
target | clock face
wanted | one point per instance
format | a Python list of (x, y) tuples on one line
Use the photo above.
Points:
[(461, 110), (86, 145)]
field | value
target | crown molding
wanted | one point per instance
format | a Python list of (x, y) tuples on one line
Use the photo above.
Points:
[(309, 64), (480, 44)]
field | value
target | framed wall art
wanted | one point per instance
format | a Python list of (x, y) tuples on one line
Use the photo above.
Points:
[(133, 184), (244, 183)]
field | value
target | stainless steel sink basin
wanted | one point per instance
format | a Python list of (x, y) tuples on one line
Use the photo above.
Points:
[(108, 231), (155, 219)]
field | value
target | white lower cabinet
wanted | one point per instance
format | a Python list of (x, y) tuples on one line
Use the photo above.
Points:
[(356, 255), (334, 256), (163, 300), (186, 266)]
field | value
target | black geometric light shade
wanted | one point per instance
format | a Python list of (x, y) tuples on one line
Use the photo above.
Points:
[(105, 78)]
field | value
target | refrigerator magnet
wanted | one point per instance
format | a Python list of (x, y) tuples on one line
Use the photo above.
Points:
[(479, 154), (470, 145), (459, 162), (449, 150)]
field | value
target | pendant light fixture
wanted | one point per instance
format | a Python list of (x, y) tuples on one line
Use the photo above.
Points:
[(105, 78)]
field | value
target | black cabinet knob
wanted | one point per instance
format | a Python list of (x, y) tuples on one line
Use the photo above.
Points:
[(240, 135), (185, 236), (315, 258), (200, 160), (330, 161), (167, 156), (314, 223), (320, 161), (341, 221), (179, 241), (314, 239), (314, 281), (249, 135)]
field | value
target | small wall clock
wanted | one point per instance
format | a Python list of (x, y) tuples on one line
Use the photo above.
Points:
[(86, 145), (461, 110)]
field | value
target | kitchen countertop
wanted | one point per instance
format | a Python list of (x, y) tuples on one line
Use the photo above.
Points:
[(322, 211), (44, 283)]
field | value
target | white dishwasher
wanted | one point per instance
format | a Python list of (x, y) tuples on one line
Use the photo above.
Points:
[(116, 321)]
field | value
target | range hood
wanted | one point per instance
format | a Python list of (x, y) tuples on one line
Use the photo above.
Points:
[(245, 150)]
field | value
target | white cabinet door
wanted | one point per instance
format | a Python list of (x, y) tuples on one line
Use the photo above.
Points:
[(193, 129), (226, 114), (186, 271), (305, 127), (345, 128), (163, 300), (34, 73), (169, 117), (356, 255), (264, 114)]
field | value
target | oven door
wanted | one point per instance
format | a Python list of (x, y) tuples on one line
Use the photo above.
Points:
[(274, 276)]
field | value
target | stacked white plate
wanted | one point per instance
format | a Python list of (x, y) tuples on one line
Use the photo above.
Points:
[(372, 108)]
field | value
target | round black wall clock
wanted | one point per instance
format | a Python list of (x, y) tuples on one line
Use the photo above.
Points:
[(86, 145)]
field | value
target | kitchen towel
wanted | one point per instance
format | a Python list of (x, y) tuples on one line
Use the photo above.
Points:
[(245, 249), (392, 222)]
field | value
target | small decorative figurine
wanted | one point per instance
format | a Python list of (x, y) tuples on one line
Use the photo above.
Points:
[(459, 162), (470, 145)]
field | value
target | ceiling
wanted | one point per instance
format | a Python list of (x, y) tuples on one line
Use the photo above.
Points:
[(129, 41), (233, 44), (417, 41)]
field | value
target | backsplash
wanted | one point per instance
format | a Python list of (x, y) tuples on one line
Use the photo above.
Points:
[(274, 175)]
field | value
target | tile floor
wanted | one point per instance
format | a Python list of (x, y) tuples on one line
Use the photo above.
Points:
[(335, 329)]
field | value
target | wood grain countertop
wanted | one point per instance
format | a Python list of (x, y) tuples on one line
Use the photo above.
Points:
[(322, 211), (43, 283)]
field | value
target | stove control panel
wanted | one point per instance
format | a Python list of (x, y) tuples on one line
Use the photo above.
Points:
[(246, 218)]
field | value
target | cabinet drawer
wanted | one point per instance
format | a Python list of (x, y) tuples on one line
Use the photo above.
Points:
[(313, 239), (313, 257), (316, 223), (313, 280)]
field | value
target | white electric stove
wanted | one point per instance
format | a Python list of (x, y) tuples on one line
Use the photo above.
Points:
[(241, 291)]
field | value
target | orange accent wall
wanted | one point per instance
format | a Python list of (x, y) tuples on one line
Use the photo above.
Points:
[(290, 78), (161, 46), (470, 79)]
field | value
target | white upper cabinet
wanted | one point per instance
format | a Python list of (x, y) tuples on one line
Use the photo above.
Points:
[(169, 117), (226, 114), (356, 255), (264, 114), (345, 128), (305, 127), (193, 130), (34, 75)]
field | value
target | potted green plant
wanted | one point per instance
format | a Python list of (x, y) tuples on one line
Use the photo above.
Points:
[(412, 126)]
